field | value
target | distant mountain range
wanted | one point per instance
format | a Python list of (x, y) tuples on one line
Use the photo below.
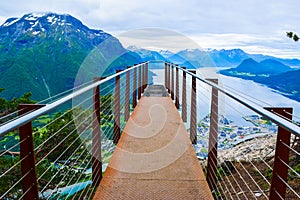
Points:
[(252, 69), (42, 53), (277, 73), (197, 58), (269, 72)]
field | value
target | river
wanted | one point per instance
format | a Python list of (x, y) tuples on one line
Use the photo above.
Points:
[(229, 108)]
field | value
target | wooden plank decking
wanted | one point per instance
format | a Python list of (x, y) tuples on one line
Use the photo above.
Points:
[(154, 158)]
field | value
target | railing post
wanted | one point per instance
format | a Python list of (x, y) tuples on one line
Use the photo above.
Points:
[(166, 75), (146, 75), (139, 82), (117, 129), (213, 139), (193, 121), (127, 94), (96, 139), (177, 88), (134, 90), (28, 169), (183, 105), (143, 78), (172, 81), (281, 160)]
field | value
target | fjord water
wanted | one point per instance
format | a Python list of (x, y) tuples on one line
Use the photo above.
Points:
[(232, 110)]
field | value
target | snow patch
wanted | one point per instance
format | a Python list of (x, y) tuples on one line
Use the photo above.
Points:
[(31, 18), (35, 24), (35, 32), (38, 14), (10, 23), (50, 19)]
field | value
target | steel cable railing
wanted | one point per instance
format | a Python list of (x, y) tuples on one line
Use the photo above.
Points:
[(251, 175), (67, 172)]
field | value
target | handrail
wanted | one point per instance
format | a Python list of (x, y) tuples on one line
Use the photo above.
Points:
[(271, 116), (35, 114)]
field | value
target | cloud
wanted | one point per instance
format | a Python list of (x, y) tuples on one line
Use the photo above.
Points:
[(251, 22)]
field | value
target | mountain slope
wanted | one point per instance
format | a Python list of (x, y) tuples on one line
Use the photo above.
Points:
[(250, 69), (43, 53), (287, 83)]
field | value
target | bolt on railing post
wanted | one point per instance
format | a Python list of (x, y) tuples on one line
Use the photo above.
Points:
[(28, 169), (172, 82), (117, 130), (134, 90), (127, 98), (213, 139), (280, 170), (193, 121), (177, 89), (96, 138), (140, 82), (183, 105)]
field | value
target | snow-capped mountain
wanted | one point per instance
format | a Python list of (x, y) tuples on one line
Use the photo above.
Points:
[(42, 52), (146, 54)]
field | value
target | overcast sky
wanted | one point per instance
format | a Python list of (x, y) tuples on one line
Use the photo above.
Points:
[(257, 26)]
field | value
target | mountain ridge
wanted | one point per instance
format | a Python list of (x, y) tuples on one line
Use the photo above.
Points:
[(43, 53)]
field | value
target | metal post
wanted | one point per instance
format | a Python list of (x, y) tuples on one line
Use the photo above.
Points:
[(146, 75), (213, 139), (172, 81), (177, 89), (193, 121), (29, 182), (143, 78), (183, 106), (140, 82), (96, 139), (168, 78), (127, 94), (134, 89), (117, 130), (280, 169), (166, 75)]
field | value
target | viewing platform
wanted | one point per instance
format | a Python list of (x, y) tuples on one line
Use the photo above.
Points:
[(154, 158)]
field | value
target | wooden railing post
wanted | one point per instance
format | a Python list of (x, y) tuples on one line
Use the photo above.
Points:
[(140, 82), (193, 121), (172, 81), (183, 106), (281, 159), (127, 96), (28, 169), (117, 129), (213, 140), (177, 88), (134, 89), (96, 139)]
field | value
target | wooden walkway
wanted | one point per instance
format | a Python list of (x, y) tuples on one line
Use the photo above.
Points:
[(154, 158)]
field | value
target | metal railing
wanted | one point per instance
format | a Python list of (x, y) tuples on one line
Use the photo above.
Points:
[(233, 178), (89, 131), (62, 154)]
